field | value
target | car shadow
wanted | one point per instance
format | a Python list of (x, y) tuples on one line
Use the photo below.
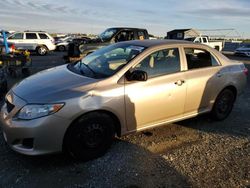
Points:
[(124, 165)]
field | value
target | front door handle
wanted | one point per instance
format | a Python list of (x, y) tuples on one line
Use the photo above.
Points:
[(179, 82)]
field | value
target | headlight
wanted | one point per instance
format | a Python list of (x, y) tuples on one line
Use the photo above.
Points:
[(33, 111)]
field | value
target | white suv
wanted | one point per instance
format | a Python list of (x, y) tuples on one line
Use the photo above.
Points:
[(38, 41)]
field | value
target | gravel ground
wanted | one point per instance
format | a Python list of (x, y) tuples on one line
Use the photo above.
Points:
[(193, 153)]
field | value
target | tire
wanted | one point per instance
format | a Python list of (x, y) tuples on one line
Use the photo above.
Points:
[(223, 105), (90, 136), (61, 48), (41, 50)]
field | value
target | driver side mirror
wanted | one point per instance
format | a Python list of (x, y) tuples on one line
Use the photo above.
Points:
[(137, 75)]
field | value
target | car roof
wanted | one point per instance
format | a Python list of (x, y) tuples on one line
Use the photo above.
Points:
[(152, 43), (130, 28)]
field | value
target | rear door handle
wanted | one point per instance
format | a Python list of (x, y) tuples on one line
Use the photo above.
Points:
[(179, 82)]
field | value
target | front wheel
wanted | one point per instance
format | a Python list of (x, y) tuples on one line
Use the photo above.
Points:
[(90, 136), (41, 50), (223, 105), (61, 48)]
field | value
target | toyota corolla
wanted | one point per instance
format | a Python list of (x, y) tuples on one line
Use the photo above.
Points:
[(126, 87)]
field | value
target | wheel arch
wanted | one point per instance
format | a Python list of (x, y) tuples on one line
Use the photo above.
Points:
[(232, 88), (221, 115), (42, 45)]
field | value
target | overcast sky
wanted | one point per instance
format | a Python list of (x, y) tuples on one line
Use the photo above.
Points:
[(93, 16)]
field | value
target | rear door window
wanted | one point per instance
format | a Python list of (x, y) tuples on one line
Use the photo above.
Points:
[(199, 58), (31, 36)]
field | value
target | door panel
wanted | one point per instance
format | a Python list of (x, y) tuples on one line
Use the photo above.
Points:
[(203, 86), (154, 101), (203, 80), (162, 96)]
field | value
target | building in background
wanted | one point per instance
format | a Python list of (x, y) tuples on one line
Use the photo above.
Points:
[(180, 34)]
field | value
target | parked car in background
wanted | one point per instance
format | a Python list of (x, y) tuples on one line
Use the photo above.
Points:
[(218, 45), (38, 41), (57, 39), (244, 50), (63, 43), (122, 88), (81, 40), (109, 36)]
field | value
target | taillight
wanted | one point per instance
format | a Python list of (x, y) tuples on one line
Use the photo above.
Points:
[(12, 47), (245, 71)]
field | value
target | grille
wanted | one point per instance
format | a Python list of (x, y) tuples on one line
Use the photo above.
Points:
[(10, 106)]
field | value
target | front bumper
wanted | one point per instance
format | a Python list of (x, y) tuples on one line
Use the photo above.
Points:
[(51, 47), (33, 137)]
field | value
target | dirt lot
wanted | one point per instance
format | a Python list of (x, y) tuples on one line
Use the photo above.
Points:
[(192, 153)]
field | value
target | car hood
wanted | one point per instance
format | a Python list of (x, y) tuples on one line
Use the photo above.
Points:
[(52, 85)]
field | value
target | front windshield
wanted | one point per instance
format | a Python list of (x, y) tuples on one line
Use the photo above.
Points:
[(108, 60), (108, 34)]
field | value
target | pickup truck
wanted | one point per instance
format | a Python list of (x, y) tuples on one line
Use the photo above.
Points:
[(109, 36), (218, 45)]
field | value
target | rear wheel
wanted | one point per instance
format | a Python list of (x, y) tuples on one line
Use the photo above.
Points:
[(223, 105), (41, 50), (61, 48), (90, 136)]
